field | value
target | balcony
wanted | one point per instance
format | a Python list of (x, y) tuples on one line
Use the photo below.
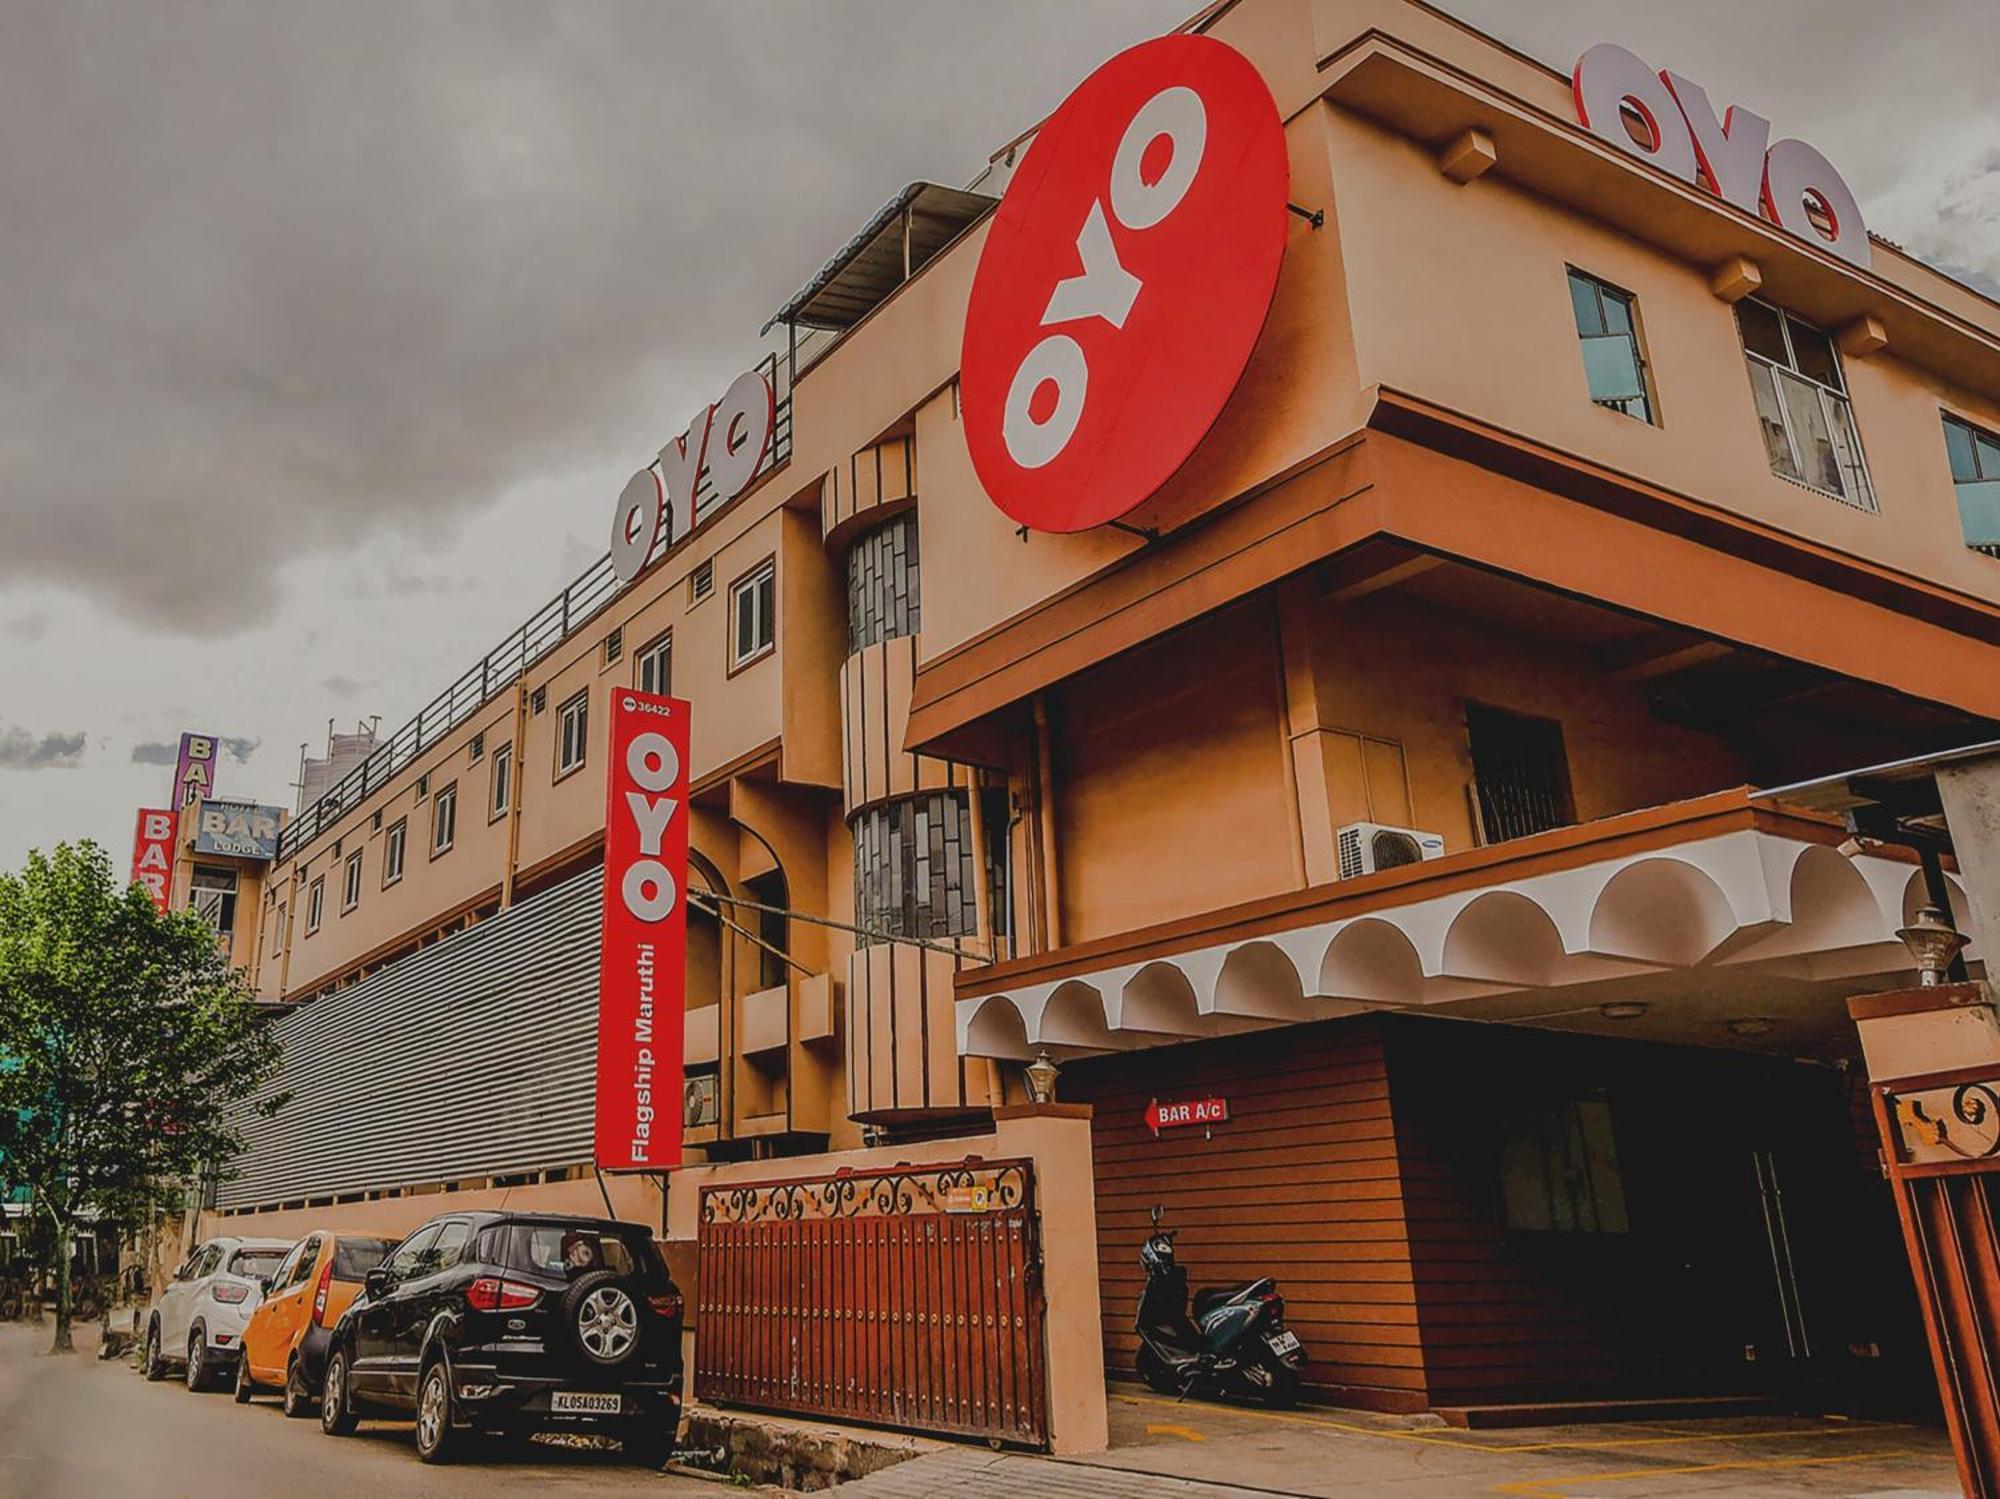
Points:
[(1717, 921)]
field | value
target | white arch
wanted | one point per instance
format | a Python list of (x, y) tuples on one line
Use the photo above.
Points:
[(1661, 910), (1504, 936), (1258, 979), (1073, 1016), (1158, 999), (1373, 959), (994, 1028)]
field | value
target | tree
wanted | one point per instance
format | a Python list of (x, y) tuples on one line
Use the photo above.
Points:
[(133, 1049)]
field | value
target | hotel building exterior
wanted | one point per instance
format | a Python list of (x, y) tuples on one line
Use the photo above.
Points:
[(1387, 774)]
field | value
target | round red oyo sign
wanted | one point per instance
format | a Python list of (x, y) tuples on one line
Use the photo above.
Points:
[(1124, 282)]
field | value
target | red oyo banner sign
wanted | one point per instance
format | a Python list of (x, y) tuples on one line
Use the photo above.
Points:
[(153, 852), (1124, 282), (642, 973)]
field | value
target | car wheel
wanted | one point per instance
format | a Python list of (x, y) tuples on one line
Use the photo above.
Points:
[(298, 1399), (197, 1359), (438, 1441), (155, 1367), (599, 1316), (336, 1405), (244, 1388)]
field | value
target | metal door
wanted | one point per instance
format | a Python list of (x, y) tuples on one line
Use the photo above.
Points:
[(909, 1297)]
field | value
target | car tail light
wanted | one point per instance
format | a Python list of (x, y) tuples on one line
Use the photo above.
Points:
[(667, 1305), (320, 1292), (490, 1293), (231, 1294)]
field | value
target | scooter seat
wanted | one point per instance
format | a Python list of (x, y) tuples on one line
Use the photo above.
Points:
[(1208, 1298)]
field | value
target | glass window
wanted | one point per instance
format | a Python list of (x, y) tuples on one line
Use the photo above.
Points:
[(1975, 472), (255, 1264), (753, 613), (444, 818), (213, 897), (1613, 363), (883, 597), (1520, 774), (1802, 406), (353, 1258), (288, 1269), (301, 1268), (503, 782), (350, 888), (570, 1251), (656, 666), (572, 733), (913, 872), (393, 844), (1559, 1169), (450, 1247), (315, 904), (409, 1255)]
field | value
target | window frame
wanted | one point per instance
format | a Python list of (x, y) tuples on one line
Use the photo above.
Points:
[(315, 905), (445, 796), (702, 572), (1978, 439), (500, 783), (576, 700), (1869, 503), (350, 881), (395, 849), (765, 570), (1648, 397), (662, 647)]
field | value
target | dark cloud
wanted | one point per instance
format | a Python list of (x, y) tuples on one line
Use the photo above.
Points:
[(240, 750), (280, 277), (156, 752), (341, 686), (21, 750)]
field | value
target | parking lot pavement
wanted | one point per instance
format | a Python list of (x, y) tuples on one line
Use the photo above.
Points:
[(75, 1428)]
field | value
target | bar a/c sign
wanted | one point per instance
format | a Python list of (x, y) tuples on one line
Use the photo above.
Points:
[(1161, 1116), (642, 972)]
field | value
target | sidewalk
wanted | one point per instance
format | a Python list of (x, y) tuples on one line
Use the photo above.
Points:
[(1163, 1449)]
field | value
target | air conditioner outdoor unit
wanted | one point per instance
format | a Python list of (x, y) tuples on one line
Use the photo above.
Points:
[(1368, 847), (704, 1100)]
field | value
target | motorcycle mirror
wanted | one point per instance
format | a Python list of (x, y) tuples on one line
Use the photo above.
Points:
[(1158, 1213)]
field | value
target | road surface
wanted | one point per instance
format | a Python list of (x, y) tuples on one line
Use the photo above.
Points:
[(76, 1428)]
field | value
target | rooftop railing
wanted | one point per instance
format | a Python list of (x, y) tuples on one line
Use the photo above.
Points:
[(505, 664)]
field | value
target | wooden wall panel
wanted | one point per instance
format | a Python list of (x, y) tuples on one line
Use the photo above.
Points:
[(1301, 1183)]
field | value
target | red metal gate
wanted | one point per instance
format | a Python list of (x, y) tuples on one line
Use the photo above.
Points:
[(909, 1297), (1941, 1137)]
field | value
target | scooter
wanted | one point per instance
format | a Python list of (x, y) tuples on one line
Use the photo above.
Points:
[(1236, 1343)]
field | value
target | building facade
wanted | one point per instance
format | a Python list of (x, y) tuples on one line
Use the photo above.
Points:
[(1386, 774)]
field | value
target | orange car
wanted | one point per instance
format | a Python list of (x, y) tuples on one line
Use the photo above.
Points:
[(284, 1346)]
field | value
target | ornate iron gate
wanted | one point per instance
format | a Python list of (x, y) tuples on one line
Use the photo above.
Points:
[(1941, 1137), (909, 1297)]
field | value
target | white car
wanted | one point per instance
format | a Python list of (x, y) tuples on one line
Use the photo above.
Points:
[(198, 1321)]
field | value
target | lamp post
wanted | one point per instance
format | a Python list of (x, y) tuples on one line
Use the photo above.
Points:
[(1041, 1076), (1933, 942)]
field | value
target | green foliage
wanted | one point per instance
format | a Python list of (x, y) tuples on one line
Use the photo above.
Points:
[(131, 1047)]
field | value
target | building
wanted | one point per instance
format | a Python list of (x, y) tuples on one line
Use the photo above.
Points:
[(1384, 774)]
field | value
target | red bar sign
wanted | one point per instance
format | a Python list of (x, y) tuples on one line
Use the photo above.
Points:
[(642, 973), (153, 853), (1161, 1116)]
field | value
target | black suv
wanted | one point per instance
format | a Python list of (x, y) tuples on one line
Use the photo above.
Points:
[(514, 1323)]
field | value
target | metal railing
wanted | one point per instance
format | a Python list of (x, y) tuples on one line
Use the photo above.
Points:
[(544, 630)]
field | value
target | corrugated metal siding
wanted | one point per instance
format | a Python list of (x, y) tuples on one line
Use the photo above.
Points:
[(1301, 1183), (474, 1057)]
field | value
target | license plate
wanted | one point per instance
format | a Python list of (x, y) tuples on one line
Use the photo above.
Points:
[(584, 1403), (1283, 1342)]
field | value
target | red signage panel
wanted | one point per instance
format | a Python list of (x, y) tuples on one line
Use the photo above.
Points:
[(1161, 1116), (153, 852), (642, 973), (1124, 282)]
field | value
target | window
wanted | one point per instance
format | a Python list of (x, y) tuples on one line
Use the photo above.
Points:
[(913, 868), (1802, 404), (478, 747), (539, 702), (315, 904), (280, 929), (444, 819), (299, 1268), (392, 852), (450, 1246), (213, 897), (1519, 773), (882, 584), (503, 783), (1613, 362), (701, 583), (1975, 470), (350, 886), (753, 615), (1559, 1169), (572, 733), (288, 1267), (614, 645), (410, 1255), (423, 786), (656, 666)]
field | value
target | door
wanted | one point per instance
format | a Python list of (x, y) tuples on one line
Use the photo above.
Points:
[(177, 1304), (427, 1292), (375, 1329), (264, 1337), (289, 1305)]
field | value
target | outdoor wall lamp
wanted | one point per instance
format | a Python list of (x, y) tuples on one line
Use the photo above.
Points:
[(1933, 942), (1041, 1076)]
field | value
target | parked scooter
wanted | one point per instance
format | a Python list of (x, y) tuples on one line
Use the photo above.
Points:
[(1236, 1343)]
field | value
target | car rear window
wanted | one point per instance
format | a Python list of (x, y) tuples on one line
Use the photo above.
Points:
[(256, 1262), (571, 1250), (354, 1258)]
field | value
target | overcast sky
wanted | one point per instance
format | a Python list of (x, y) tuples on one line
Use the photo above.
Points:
[(333, 329)]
